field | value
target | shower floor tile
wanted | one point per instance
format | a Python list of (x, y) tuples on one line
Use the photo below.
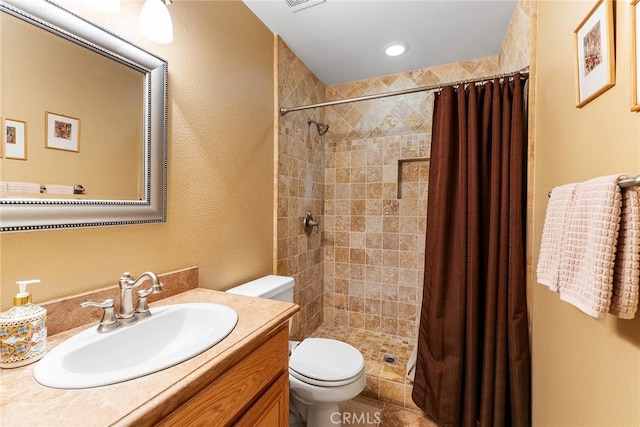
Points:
[(386, 359)]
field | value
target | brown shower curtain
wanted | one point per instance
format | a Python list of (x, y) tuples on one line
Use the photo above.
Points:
[(473, 365)]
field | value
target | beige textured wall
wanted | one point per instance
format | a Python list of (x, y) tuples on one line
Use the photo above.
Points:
[(220, 207), (585, 371)]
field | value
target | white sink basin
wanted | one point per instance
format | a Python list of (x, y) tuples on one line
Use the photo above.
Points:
[(173, 334)]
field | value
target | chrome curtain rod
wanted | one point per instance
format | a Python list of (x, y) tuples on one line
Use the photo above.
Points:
[(285, 110)]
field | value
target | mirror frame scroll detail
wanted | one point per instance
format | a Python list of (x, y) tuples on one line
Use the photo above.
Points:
[(36, 214)]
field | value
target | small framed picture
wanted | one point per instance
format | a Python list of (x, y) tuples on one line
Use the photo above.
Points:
[(635, 56), (595, 63), (15, 139), (63, 132)]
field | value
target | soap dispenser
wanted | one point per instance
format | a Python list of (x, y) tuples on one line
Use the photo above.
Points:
[(23, 330)]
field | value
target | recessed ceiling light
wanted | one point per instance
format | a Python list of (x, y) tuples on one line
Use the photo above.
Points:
[(396, 48)]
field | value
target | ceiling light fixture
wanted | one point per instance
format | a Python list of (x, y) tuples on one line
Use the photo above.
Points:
[(155, 21), (396, 48)]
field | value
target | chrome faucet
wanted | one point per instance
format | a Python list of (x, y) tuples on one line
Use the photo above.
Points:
[(127, 315)]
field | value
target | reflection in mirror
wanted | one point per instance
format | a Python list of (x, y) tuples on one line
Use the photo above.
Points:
[(84, 107), (104, 97)]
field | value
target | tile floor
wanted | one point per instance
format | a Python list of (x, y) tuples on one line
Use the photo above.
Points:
[(366, 412), (386, 399)]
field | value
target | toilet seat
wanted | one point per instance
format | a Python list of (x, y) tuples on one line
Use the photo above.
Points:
[(325, 362)]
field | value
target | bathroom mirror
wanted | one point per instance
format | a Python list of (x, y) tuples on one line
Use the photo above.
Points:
[(81, 108)]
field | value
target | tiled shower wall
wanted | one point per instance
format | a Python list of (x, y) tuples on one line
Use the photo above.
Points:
[(300, 188), (375, 228), (376, 177), (518, 50), (365, 181)]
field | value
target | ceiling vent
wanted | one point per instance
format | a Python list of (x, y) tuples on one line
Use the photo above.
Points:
[(296, 5)]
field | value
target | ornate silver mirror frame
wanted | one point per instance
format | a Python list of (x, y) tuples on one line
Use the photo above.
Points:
[(36, 214)]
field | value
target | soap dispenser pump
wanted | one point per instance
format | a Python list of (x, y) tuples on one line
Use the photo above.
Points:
[(23, 330)]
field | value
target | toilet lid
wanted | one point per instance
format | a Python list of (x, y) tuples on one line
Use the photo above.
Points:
[(325, 360)]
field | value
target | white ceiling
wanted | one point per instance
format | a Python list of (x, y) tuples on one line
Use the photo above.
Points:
[(344, 40)]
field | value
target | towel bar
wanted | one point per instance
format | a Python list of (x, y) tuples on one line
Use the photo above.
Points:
[(632, 182), (77, 189), (625, 183)]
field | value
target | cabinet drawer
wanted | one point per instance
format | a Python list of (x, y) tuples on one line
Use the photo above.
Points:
[(231, 394)]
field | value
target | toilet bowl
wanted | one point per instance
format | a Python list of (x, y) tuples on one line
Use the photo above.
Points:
[(322, 372)]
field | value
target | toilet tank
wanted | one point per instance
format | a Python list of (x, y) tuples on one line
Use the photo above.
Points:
[(279, 288)]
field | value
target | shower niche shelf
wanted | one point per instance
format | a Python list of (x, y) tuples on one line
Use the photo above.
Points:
[(413, 178)]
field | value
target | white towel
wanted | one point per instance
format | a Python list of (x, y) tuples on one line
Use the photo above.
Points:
[(626, 273), (552, 235), (3, 187), (23, 187), (589, 246), (59, 189)]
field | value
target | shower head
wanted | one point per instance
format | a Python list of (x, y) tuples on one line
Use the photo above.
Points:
[(322, 127)]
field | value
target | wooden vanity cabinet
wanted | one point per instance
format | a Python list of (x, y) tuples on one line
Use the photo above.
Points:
[(272, 409), (253, 392)]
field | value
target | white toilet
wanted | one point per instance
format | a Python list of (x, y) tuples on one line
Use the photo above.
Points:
[(322, 372)]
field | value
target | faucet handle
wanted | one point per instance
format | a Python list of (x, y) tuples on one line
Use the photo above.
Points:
[(142, 310), (308, 223), (143, 307), (109, 321), (107, 303)]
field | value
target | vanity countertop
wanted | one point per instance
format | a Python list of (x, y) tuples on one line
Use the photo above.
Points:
[(144, 400)]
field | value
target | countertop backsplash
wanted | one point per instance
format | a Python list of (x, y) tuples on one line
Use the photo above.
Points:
[(65, 313)]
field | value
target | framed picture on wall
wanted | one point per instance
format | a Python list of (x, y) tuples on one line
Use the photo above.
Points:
[(635, 56), (63, 132), (594, 53), (15, 139)]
